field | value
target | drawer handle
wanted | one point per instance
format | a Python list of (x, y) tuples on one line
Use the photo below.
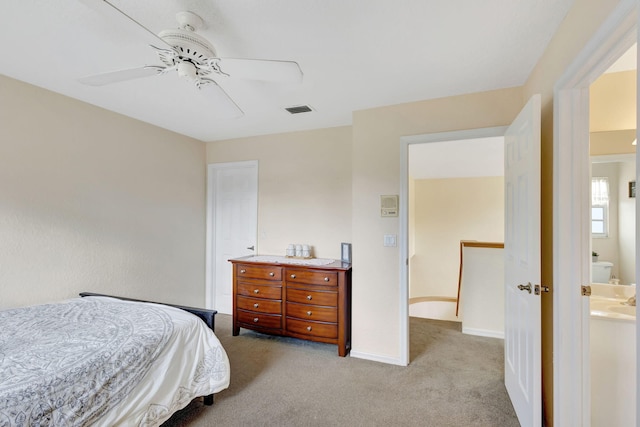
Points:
[(255, 320), (309, 297), (293, 276), (255, 305), (309, 328), (271, 274), (243, 271), (256, 291), (308, 313), (326, 279)]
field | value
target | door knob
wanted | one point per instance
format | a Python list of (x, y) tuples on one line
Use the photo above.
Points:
[(251, 248), (526, 287)]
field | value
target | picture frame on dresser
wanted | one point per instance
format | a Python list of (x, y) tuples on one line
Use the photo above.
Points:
[(345, 252)]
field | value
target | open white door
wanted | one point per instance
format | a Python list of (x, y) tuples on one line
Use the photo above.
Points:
[(232, 224), (522, 346)]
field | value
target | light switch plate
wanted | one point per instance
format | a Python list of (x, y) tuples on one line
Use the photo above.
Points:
[(390, 240)]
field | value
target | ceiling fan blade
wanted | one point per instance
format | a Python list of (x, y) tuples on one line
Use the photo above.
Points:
[(224, 106), (114, 10), (120, 75), (261, 69)]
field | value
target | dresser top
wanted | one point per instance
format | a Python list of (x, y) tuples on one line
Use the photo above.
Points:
[(316, 263)]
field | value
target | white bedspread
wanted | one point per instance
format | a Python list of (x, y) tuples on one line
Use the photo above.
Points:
[(106, 362)]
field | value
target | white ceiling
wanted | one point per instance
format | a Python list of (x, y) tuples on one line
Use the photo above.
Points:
[(355, 54)]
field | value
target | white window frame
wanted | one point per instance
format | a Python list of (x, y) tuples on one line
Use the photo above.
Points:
[(604, 220), (605, 212)]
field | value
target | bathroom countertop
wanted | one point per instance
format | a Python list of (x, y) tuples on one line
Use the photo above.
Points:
[(611, 309)]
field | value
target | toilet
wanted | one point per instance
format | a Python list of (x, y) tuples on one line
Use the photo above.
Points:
[(601, 271)]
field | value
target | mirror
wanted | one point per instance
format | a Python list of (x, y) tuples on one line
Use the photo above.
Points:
[(613, 208)]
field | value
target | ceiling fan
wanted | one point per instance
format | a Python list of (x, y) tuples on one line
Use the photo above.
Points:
[(183, 51)]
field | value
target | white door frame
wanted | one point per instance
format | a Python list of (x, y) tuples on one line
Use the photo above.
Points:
[(571, 202), (403, 239), (210, 272)]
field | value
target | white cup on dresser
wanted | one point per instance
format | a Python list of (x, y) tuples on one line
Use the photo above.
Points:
[(291, 250), (299, 250), (306, 251)]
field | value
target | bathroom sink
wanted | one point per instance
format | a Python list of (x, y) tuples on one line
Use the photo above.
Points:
[(611, 308), (629, 310)]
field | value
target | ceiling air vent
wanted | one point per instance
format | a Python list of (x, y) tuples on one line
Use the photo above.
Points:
[(299, 109)]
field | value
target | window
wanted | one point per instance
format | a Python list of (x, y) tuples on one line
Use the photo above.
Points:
[(599, 207)]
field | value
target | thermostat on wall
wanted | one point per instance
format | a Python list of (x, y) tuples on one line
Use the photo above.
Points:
[(389, 205)]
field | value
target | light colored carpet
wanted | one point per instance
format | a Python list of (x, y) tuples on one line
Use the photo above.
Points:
[(453, 380)]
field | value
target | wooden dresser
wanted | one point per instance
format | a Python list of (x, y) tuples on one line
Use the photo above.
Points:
[(306, 302)]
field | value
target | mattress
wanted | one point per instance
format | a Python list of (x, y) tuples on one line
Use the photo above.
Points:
[(105, 362)]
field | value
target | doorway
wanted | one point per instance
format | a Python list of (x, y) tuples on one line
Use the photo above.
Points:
[(404, 222), (571, 219), (612, 340), (522, 324), (456, 193)]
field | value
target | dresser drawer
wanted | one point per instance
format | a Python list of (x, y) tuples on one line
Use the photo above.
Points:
[(324, 330), (265, 272), (311, 277), (304, 296), (312, 312), (259, 291), (262, 320), (259, 305)]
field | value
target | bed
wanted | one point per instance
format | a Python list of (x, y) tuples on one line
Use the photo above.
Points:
[(106, 361)]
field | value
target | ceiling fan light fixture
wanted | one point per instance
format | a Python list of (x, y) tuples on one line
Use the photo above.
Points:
[(187, 70)]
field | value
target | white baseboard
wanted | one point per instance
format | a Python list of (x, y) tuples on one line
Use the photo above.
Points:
[(483, 332), (376, 358)]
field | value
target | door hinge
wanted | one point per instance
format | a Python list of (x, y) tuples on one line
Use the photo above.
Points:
[(586, 290)]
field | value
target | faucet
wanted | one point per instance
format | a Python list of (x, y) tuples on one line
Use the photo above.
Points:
[(631, 301)]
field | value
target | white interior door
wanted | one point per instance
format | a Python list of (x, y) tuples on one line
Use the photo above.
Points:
[(233, 221), (522, 348)]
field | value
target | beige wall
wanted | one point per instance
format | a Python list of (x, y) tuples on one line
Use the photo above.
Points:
[(582, 21), (94, 201), (612, 142), (376, 171), (446, 212), (304, 188), (612, 102)]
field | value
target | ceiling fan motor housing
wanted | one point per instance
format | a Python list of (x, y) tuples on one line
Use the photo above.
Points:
[(189, 45)]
